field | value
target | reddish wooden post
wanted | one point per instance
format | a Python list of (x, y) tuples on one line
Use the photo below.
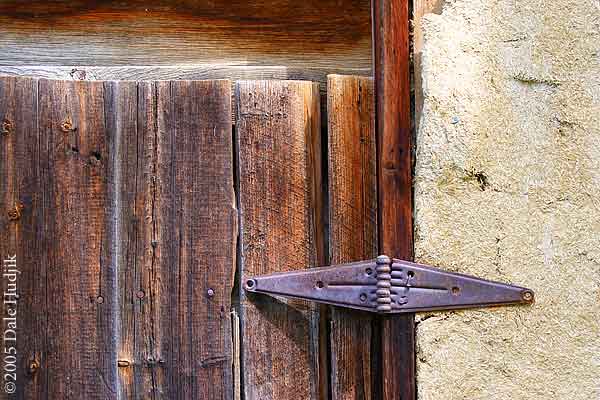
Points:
[(390, 21)]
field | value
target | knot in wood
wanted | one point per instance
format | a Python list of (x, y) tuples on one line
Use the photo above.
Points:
[(7, 127), (67, 125), (15, 213), (33, 366)]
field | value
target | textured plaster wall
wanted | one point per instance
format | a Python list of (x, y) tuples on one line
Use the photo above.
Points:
[(508, 188)]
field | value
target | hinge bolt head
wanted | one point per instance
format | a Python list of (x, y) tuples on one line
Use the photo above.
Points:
[(250, 284), (527, 296)]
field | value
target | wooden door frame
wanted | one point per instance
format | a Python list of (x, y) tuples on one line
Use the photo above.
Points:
[(391, 68)]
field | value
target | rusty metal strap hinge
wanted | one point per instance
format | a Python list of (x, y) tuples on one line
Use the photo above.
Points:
[(388, 286)]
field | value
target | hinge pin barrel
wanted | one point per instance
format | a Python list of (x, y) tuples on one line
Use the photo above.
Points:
[(384, 284)]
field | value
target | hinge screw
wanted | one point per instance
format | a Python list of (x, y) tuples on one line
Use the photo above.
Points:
[(527, 296)]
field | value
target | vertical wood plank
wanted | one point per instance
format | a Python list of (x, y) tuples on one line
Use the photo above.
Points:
[(394, 171), (278, 130), (127, 161), (142, 330), (352, 226), (21, 241), (196, 236), (181, 237), (78, 207)]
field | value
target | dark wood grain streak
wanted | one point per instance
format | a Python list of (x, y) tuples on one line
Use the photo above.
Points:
[(327, 33), (278, 129), (394, 149), (352, 226)]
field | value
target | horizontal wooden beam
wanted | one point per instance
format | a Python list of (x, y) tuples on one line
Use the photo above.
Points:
[(183, 32)]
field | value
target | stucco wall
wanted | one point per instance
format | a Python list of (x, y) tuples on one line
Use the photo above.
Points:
[(508, 188)]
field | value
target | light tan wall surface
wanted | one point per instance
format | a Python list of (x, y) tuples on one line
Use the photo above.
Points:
[(507, 187)]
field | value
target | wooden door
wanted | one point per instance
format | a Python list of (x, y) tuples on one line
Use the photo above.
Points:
[(131, 212), (120, 210)]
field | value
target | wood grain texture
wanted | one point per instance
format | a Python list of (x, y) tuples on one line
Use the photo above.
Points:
[(67, 344), (120, 118), (22, 247), (180, 238), (182, 72), (126, 236), (81, 274), (394, 148), (196, 72), (278, 130), (352, 227), (327, 33)]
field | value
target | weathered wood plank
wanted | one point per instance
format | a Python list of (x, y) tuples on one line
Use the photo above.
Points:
[(72, 210), (78, 214), (352, 226), (394, 148), (278, 129), (120, 116), (179, 202), (126, 237), (141, 295), (196, 230), (159, 32), (21, 225)]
